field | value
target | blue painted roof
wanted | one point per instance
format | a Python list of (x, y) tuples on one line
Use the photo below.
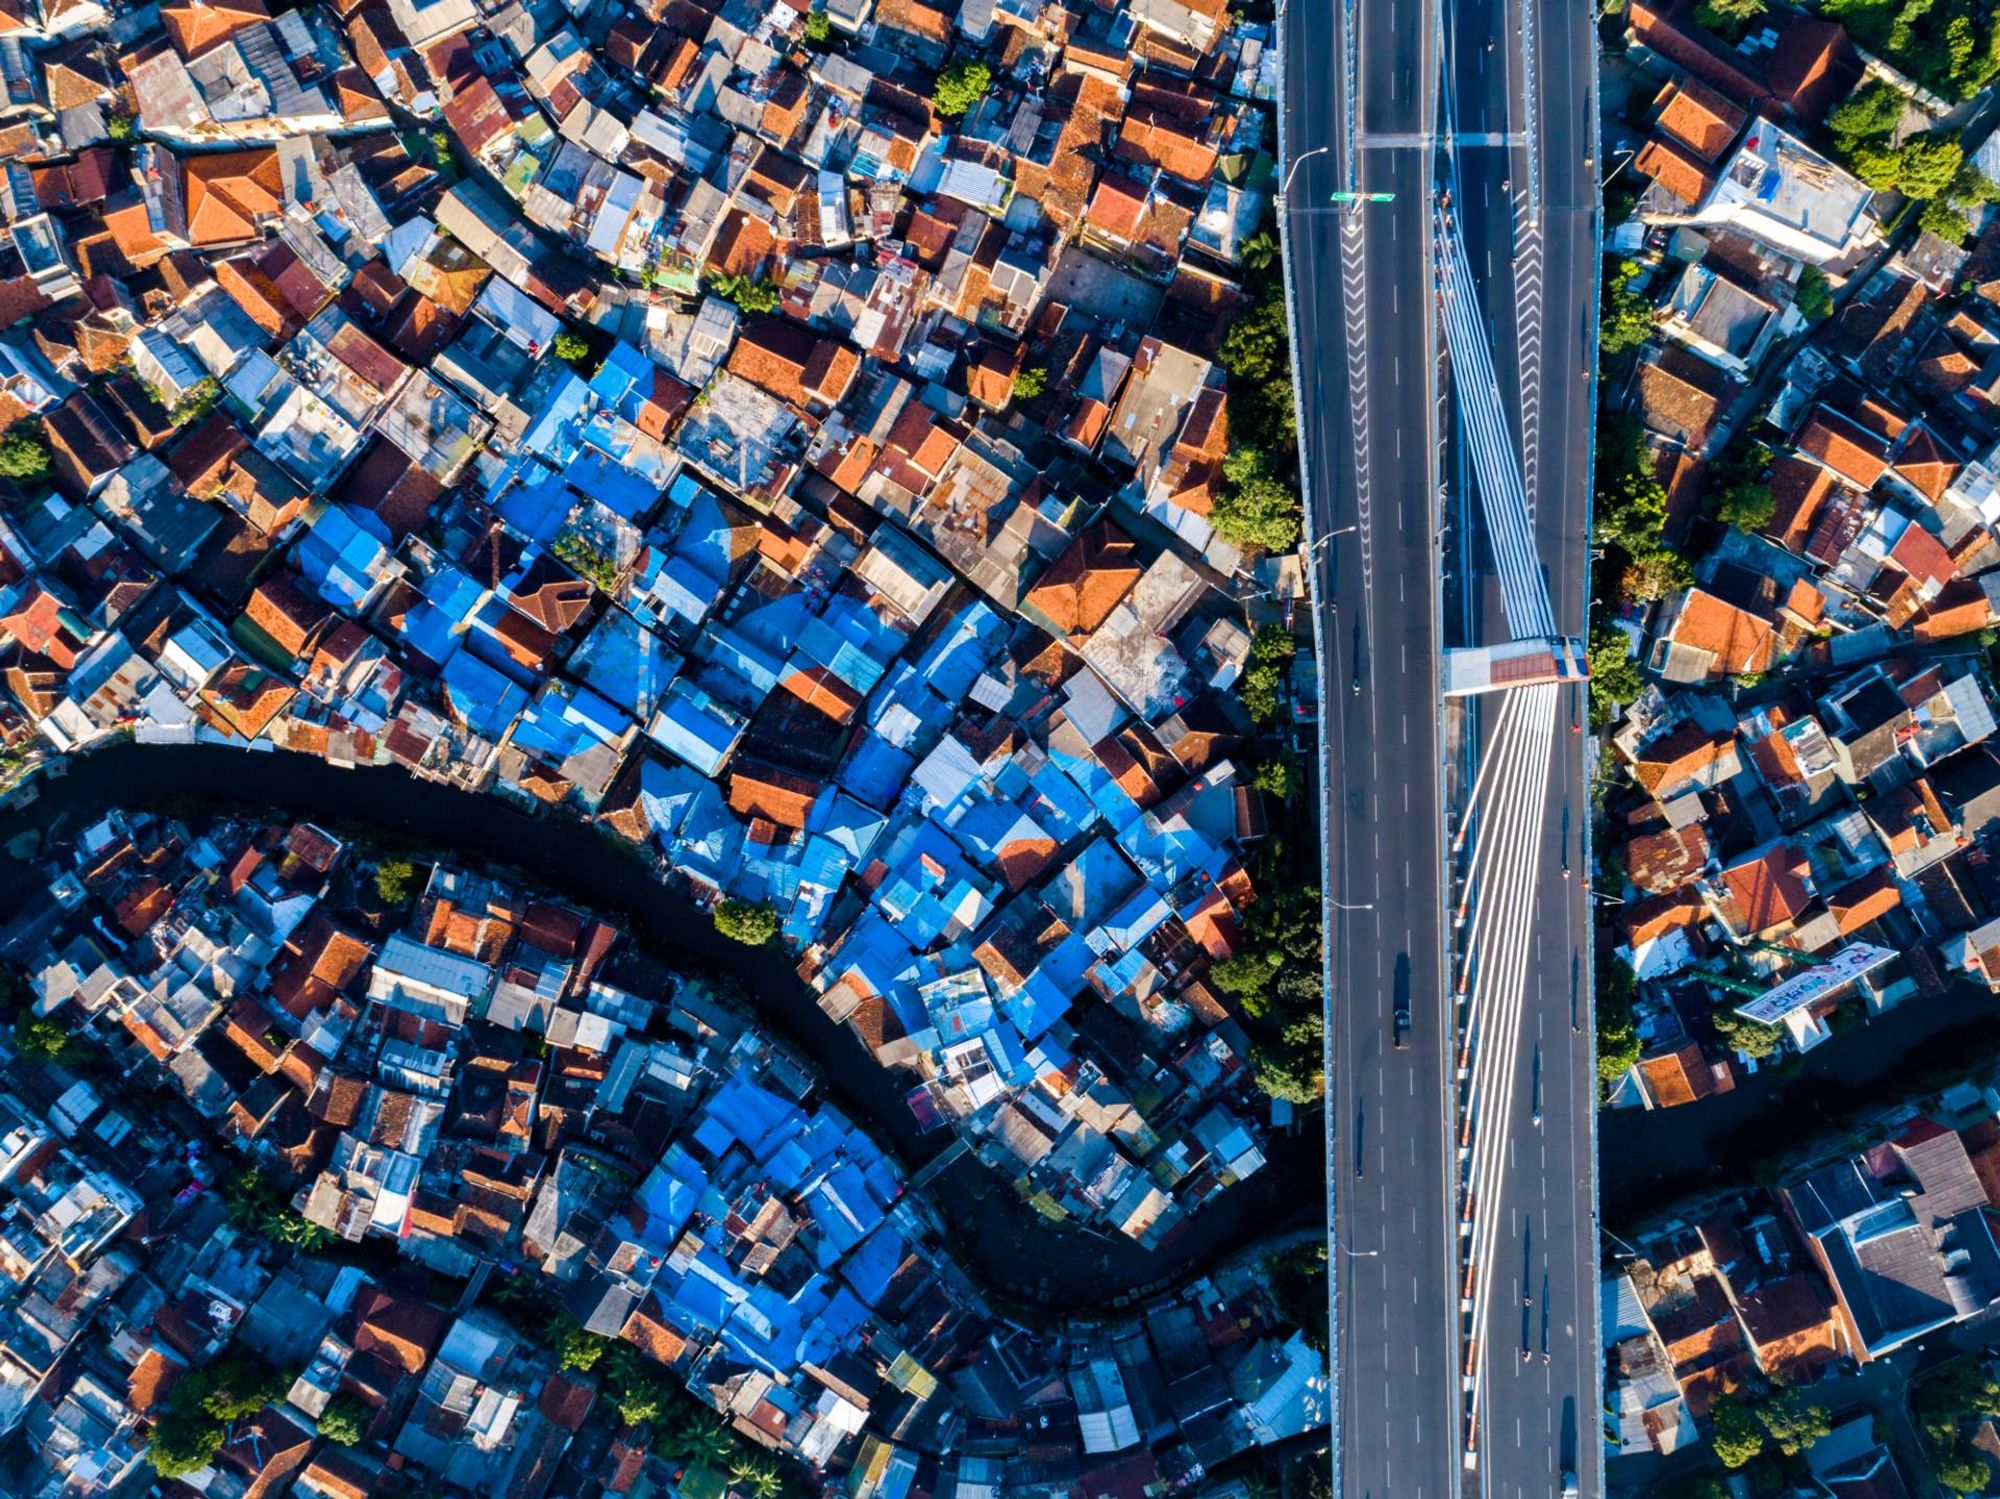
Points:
[(694, 726), (627, 663), (959, 654), (481, 698), (537, 504), (623, 368), (873, 1263), (874, 771), (618, 489), (705, 538), (553, 432)]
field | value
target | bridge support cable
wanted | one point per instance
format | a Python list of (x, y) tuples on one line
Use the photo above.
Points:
[(1497, 952), (1490, 441)]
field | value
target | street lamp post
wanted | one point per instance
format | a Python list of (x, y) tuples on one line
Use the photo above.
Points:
[(1285, 188), (1341, 905)]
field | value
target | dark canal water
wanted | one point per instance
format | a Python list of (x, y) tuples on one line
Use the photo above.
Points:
[(999, 1238)]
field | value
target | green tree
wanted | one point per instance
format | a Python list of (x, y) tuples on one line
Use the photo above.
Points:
[(1747, 1036), (1029, 383), (393, 878), (756, 1475), (1961, 1470), (574, 1345), (754, 296), (190, 1431), (1261, 513), (1734, 1431), (1869, 113), (819, 30), (1260, 251), (746, 921), (182, 1442), (1296, 1279), (1876, 164), (1654, 575), (1614, 674), (121, 127), (1928, 165), (1945, 219), (345, 1419), (1793, 1422), (1747, 507), (23, 454), (572, 348), (1275, 778), (1625, 320), (1814, 296), (1729, 19), (45, 1039), (961, 86)]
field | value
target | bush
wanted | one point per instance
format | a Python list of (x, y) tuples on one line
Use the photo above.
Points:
[(572, 348), (959, 87), (746, 921), (344, 1420), (1747, 507), (1029, 383), (45, 1039), (585, 559), (196, 402), (1814, 296), (23, 454), (755, 296)]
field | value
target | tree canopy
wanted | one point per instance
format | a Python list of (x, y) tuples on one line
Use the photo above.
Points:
[(1625, 319), (961, 86), (1735, 1432), (746, 921)]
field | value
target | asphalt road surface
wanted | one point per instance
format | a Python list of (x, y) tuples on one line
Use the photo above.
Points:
[(1371, 382), (1364, 297)]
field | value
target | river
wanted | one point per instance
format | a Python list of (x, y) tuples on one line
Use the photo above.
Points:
[(1003, 1242)]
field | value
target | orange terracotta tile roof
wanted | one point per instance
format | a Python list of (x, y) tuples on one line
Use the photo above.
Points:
[(1699, 117), (1845, 446), (1090, 578), (1740, 642), (227, 195), (1767, 891)]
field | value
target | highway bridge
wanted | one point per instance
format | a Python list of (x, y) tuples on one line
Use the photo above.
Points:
[(1444, 335)]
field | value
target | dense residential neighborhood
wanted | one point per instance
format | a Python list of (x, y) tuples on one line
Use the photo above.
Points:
[(324, 1174), (1797, 590), (841, 453), (1797, 593)]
